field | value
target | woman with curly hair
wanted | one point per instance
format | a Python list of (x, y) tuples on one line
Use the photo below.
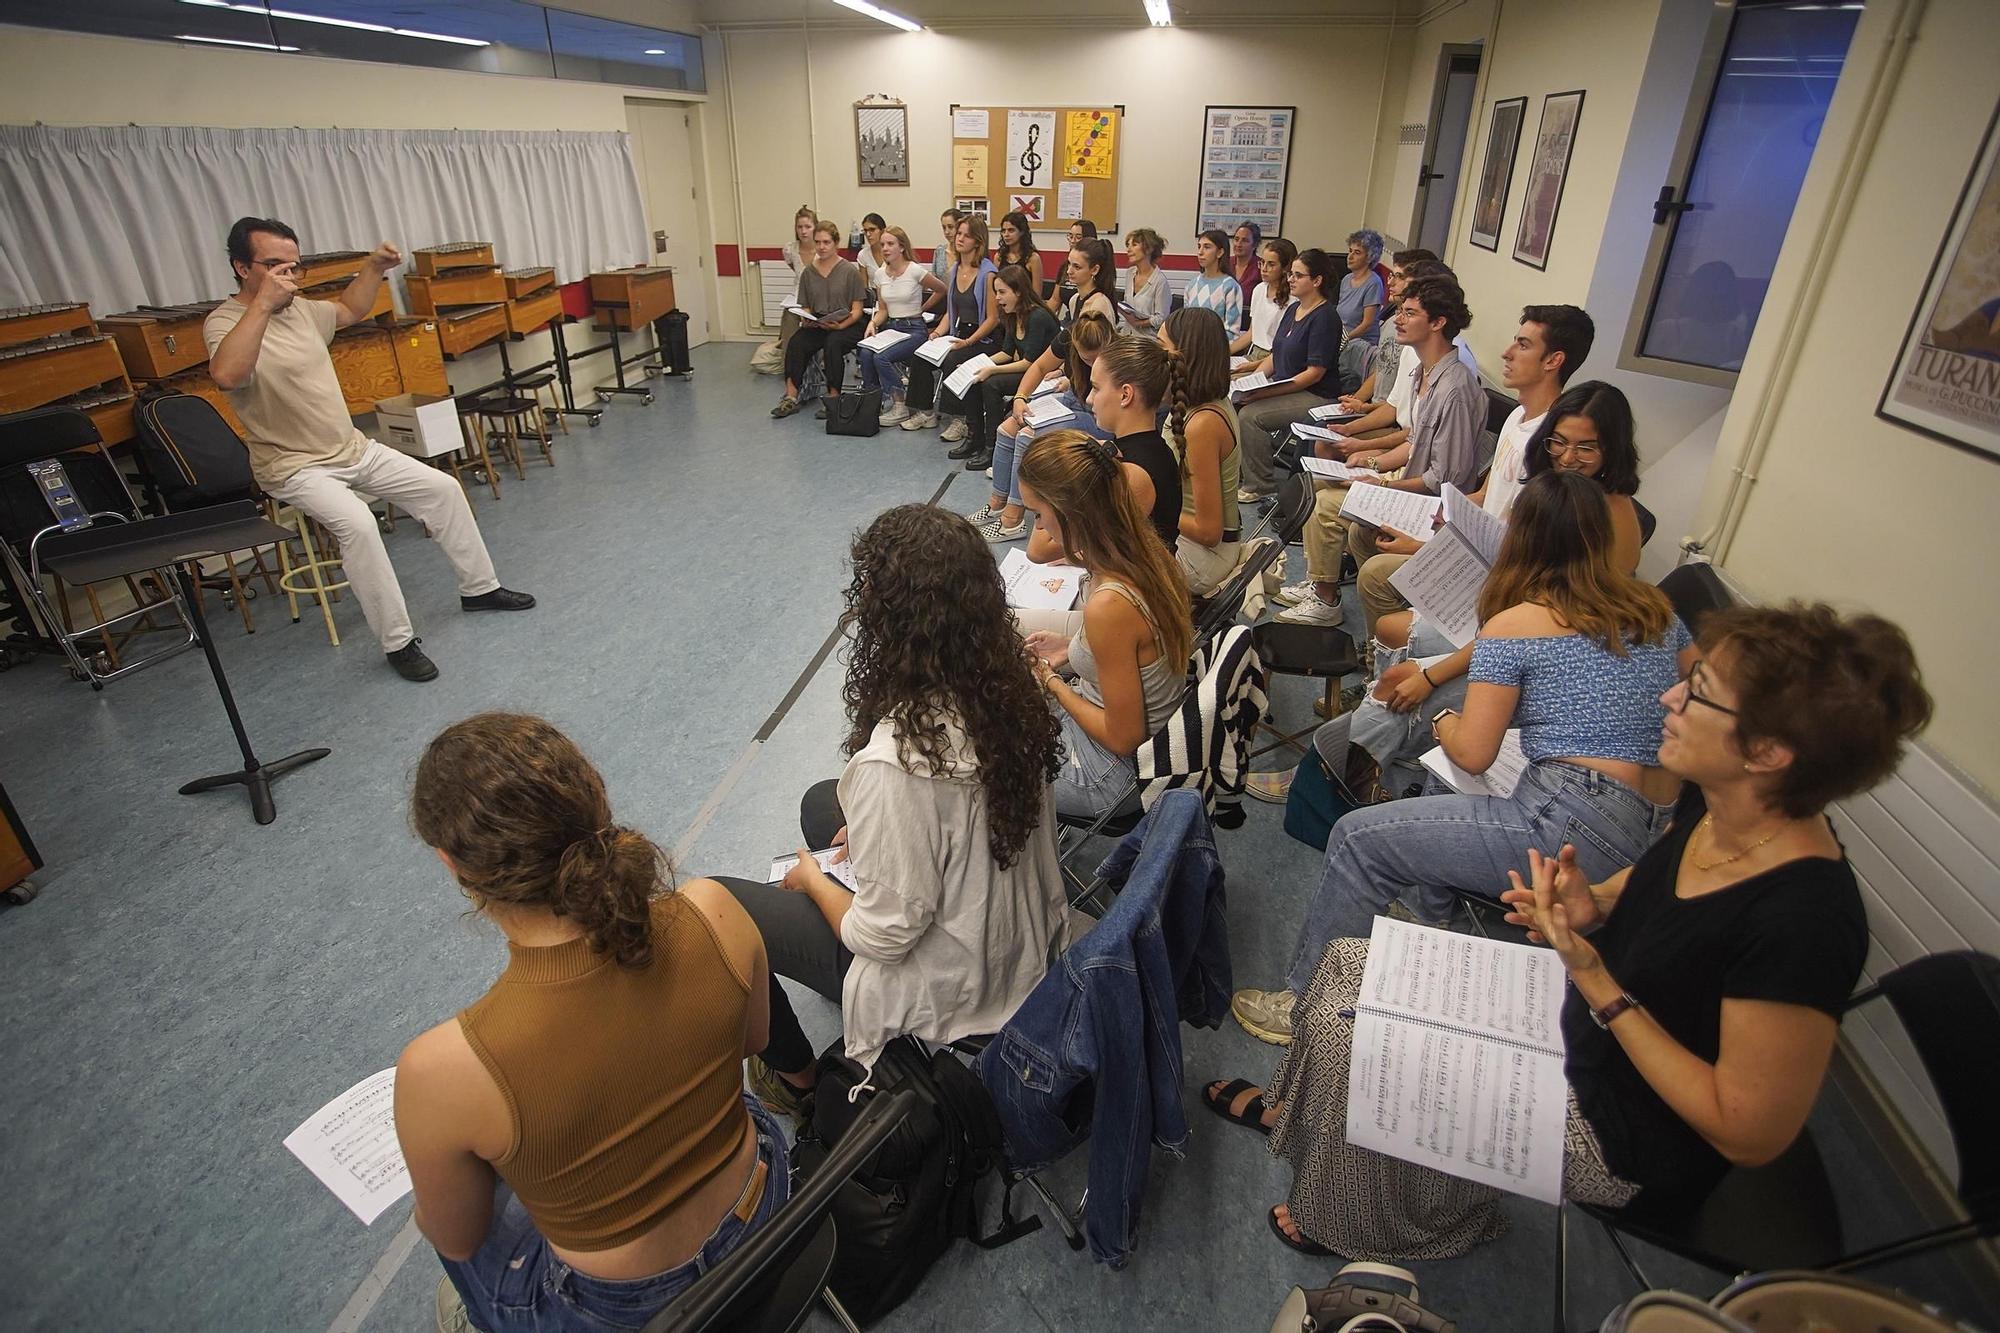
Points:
[(943, 812), (578, 1138)]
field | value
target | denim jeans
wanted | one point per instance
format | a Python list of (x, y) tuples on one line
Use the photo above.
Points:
[(1398, 740), (515, 1284), (1092, 780), (1420, 849), (884, 370)]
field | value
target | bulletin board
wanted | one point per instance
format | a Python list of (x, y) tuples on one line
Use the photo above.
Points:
[(1066, 155)]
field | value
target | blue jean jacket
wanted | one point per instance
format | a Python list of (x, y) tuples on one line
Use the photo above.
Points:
[(1095, 1050)]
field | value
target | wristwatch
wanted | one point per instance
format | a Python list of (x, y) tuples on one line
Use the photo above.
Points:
[(1605, 1016)]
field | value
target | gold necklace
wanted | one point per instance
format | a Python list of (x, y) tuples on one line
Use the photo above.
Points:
[(1708, 826)]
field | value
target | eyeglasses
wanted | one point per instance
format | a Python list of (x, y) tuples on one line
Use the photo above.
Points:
[(1584, 451), (273, 263), (1691, 694)]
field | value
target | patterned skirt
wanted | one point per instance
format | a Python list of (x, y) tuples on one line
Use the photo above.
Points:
[(1361, 1204)]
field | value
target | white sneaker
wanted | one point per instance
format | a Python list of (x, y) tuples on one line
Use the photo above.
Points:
[(1294, 593), (955, 431), (897, 411), (920, 421), (1314, 612), (989, 474)]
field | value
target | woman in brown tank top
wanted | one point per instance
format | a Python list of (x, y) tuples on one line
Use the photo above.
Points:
[(578, 1138)]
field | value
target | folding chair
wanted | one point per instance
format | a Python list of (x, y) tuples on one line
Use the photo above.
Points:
[(55, 479)]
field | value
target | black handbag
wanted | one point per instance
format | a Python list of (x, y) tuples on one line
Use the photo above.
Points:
[(854, 413)]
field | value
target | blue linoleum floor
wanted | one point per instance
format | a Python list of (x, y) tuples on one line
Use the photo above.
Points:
[(190, 986)]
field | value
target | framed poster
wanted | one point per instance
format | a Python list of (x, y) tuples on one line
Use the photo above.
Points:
[(1946, 382), (1496, 173), (1246, 157), (1546, 172), (882, 142)]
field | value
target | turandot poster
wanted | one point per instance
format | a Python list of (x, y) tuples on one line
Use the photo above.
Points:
[(1947, 381)]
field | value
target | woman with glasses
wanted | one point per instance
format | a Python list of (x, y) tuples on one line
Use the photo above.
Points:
[(1575, 655), (1706, 981)]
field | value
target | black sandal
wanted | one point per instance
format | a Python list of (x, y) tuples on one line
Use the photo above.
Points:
[(1251, 1116), (1308, 1246)]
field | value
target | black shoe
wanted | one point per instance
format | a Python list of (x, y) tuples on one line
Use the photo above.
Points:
[(980, 461), (500, 599), (411, 664), (963, 449)]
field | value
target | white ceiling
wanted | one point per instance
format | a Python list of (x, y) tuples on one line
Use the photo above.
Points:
[(1014, 13)]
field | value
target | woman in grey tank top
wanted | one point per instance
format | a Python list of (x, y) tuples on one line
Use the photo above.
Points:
[(1129, 659)]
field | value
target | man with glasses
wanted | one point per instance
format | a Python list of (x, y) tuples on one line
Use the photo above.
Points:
[(268, 351)]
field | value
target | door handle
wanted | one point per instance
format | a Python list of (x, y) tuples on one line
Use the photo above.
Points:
[(1666, 206)]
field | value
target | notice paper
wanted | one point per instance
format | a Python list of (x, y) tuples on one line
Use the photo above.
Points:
[(1458, 1057), (1033, 587), (1031, 150), (842, 870), (967, 374), (350, 1144), (1500, 777), (935, 350), (883, 341), (1330, 469), (1069, 199), (969, 123), (1408, 512)]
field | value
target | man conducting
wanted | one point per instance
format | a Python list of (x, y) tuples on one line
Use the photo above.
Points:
[(268, 350)]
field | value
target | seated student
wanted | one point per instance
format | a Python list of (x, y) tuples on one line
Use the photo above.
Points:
[(1092, 282), (1551, 342), (1148, 296), (1202, 426), (1027, 329), (1213, 288), (1573, 653), (1385, 397), (869, 257), (1004, 518), (1706, 981), (832, 288), (970, 321), (1130, 656), (578, 1138), (1079, 232), (1131, 382), (1360, 303), (944, 257), (797, 253), (1269, 299), (944, 810), (1246, 253), (900, 290), (1305, 350), (1017, 246), (1447, 418)]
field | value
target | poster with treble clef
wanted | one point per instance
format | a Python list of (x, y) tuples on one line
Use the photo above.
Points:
[(1031, 150)]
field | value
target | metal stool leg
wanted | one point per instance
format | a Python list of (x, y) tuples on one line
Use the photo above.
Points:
[(320, 590)]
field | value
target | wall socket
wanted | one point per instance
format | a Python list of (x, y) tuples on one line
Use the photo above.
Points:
[(659, 242)]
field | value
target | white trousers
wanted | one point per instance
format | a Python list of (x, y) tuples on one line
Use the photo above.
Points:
[(432, 497)]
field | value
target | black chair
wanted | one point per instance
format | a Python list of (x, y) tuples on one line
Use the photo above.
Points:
[(1291, 506), (770, 1282), (1783, 1215), (1219, 610), (1048, 289), (1695, 589), (1648, 524), (1498, 408), (1180, 299)]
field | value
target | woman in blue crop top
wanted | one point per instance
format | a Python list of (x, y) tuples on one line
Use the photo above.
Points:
[(1573, 653)]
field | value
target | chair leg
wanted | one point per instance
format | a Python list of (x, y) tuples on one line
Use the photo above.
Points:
[(97, 617), (315, 570), (543, 439), (263, 570), (235, 589), (839, 1311), (554, 409), (285, 572), (1562, 1269)]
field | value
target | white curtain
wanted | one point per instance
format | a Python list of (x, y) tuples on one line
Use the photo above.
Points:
[(122, 217)]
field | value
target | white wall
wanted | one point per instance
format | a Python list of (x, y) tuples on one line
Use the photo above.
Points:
[(1409, 83)]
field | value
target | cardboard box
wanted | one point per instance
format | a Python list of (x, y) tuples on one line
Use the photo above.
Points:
[(419, 424)]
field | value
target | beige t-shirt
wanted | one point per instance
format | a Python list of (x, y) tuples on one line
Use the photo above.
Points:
[(294, 415)]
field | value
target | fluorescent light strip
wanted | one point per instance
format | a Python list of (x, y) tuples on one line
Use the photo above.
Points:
[(881, 15), (297, 17), (1157, 11), (231, 41)]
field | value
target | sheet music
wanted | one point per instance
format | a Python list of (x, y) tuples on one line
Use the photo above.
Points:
[(935, 350), (1045, 412), (1458, 1057), (1478, 527), (842, 870), (350, 1144), (1501, 777), (1334, 412), (967, 373), (1306, 431), (1238, 362), (1033, 587), (801, 312), (1049, 385), (1329, 469), (1408, 512), (1442, 582), (883, 341)]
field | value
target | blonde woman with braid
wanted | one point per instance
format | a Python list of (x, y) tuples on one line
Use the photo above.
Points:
[(1201, 431), (1127, 665)]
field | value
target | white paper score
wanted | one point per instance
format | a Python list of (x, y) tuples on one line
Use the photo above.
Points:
[(351, 1145)]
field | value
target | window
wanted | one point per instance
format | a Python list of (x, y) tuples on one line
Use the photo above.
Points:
[(1721, 220)]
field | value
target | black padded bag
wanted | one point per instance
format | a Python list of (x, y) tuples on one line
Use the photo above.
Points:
[(189, 453), (854, 413)]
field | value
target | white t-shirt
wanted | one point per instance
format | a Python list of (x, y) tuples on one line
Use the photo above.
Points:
[(904, 296), (1504, 482), (871, 267), (1264, 316)]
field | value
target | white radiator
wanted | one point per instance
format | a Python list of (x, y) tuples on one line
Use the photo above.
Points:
[(779, 285)]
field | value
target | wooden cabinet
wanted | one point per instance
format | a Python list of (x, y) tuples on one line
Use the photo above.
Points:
[(470, 286), (631, 298), (419, 356), (465, 327), (18, 857), (454, 254), (160, 342), (364, 359), (534, 310), (54, 356), (527, 281)]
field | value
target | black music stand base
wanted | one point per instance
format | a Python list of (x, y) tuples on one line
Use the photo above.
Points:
[(255, 777)]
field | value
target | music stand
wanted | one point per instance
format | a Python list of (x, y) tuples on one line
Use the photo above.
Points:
[(113, 550)]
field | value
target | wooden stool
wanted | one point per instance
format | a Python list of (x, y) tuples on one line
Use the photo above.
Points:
[(306, 577), (472, 425), (510, 418), (535, 386)]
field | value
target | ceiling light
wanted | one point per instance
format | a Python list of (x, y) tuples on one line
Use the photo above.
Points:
[(655, 51), (231, 41), (1157, 11), (297, 17), (881, 15)]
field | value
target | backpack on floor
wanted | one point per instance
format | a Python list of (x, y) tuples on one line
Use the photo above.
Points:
[(919, 1192)]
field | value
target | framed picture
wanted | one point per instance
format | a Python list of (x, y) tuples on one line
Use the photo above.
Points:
[(1546, 172), (1496, 173), (1246, 159), (1946, 382), (882, 142)]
